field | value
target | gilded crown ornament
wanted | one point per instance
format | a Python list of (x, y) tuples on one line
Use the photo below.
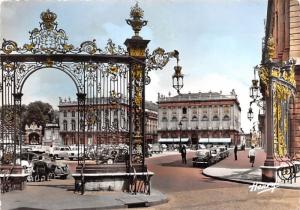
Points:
[(48, 19), (137, 21)]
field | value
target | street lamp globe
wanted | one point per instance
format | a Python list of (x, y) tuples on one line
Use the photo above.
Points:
[(254, 90), (250, 114)]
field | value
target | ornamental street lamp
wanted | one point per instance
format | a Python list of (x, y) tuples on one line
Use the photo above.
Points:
[(250, 114), (180, 128), (254, 89), (177, 77)]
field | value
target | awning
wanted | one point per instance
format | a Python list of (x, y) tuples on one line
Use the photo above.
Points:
[(215, 140), (173, 140)]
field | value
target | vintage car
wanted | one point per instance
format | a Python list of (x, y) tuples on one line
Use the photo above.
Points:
[(73, 152), (223, 152), (60, 152), (157, 148), (205, 157), (58, 169)]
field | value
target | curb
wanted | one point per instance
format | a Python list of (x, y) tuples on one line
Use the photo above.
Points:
[(143, 203), (241, 181)]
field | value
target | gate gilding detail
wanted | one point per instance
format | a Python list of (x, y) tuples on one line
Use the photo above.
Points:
[(108, 80)]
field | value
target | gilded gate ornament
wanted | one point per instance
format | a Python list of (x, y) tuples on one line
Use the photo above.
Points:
[(137, 21), (89, 67), (271, 48)]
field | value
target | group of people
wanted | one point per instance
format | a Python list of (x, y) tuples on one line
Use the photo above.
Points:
[(251, 154)]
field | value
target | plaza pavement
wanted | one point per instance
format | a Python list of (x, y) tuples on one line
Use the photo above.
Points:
[(241, 171), (59, 194)]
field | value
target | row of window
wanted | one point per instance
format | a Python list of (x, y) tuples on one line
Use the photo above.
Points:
[(184, 110), (195, 118), (66, 113), (98, 113)]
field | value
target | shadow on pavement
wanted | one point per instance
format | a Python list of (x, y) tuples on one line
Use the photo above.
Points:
[(25, 208), (179, 163), (66, 187)]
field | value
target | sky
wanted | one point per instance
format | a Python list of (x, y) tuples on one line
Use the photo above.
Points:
[(219, 41)]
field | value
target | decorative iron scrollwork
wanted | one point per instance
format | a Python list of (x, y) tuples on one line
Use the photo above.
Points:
[(159, 58), (9, 46), (113, 49), (89, 47), (48, 39)]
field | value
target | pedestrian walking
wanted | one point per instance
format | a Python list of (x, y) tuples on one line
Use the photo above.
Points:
[(183, 154), (235, 152), (252, 155)]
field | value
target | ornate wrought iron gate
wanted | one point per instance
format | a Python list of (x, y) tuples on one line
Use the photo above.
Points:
[(110, 84)]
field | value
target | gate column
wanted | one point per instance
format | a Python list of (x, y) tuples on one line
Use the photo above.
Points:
[(136, 48)]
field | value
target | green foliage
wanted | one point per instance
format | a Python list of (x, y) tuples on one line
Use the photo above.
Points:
[(38, 112)]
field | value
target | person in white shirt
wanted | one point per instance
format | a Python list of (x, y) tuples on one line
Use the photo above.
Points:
[(251, 155)]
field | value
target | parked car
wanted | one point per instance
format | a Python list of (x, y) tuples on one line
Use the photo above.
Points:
[(58, 170), (215, 154), (156, 148), (205, 157), (223, 152), (59, 152)]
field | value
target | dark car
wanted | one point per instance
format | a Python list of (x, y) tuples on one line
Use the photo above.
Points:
[(204, 157)]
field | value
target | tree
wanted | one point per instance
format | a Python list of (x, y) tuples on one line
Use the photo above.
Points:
[(38, 112)]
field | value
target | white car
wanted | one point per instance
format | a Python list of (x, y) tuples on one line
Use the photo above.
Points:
[(60, 152), (73, 152)]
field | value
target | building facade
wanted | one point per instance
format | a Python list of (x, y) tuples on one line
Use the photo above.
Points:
[(283, 25), (111, 126), (209, 116), (33, 134), (151, 122), (51, 135)]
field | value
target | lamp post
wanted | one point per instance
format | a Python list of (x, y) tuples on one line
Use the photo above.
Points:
[(180, 128)]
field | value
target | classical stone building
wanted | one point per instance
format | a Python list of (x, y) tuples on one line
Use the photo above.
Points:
[(151, 121), (205, 117), (109, 119), (283, 24)]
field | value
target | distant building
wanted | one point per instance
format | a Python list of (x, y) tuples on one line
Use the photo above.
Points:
[(51, 135), (151, 122), (33, 134), (205, 117), (110, 123)]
